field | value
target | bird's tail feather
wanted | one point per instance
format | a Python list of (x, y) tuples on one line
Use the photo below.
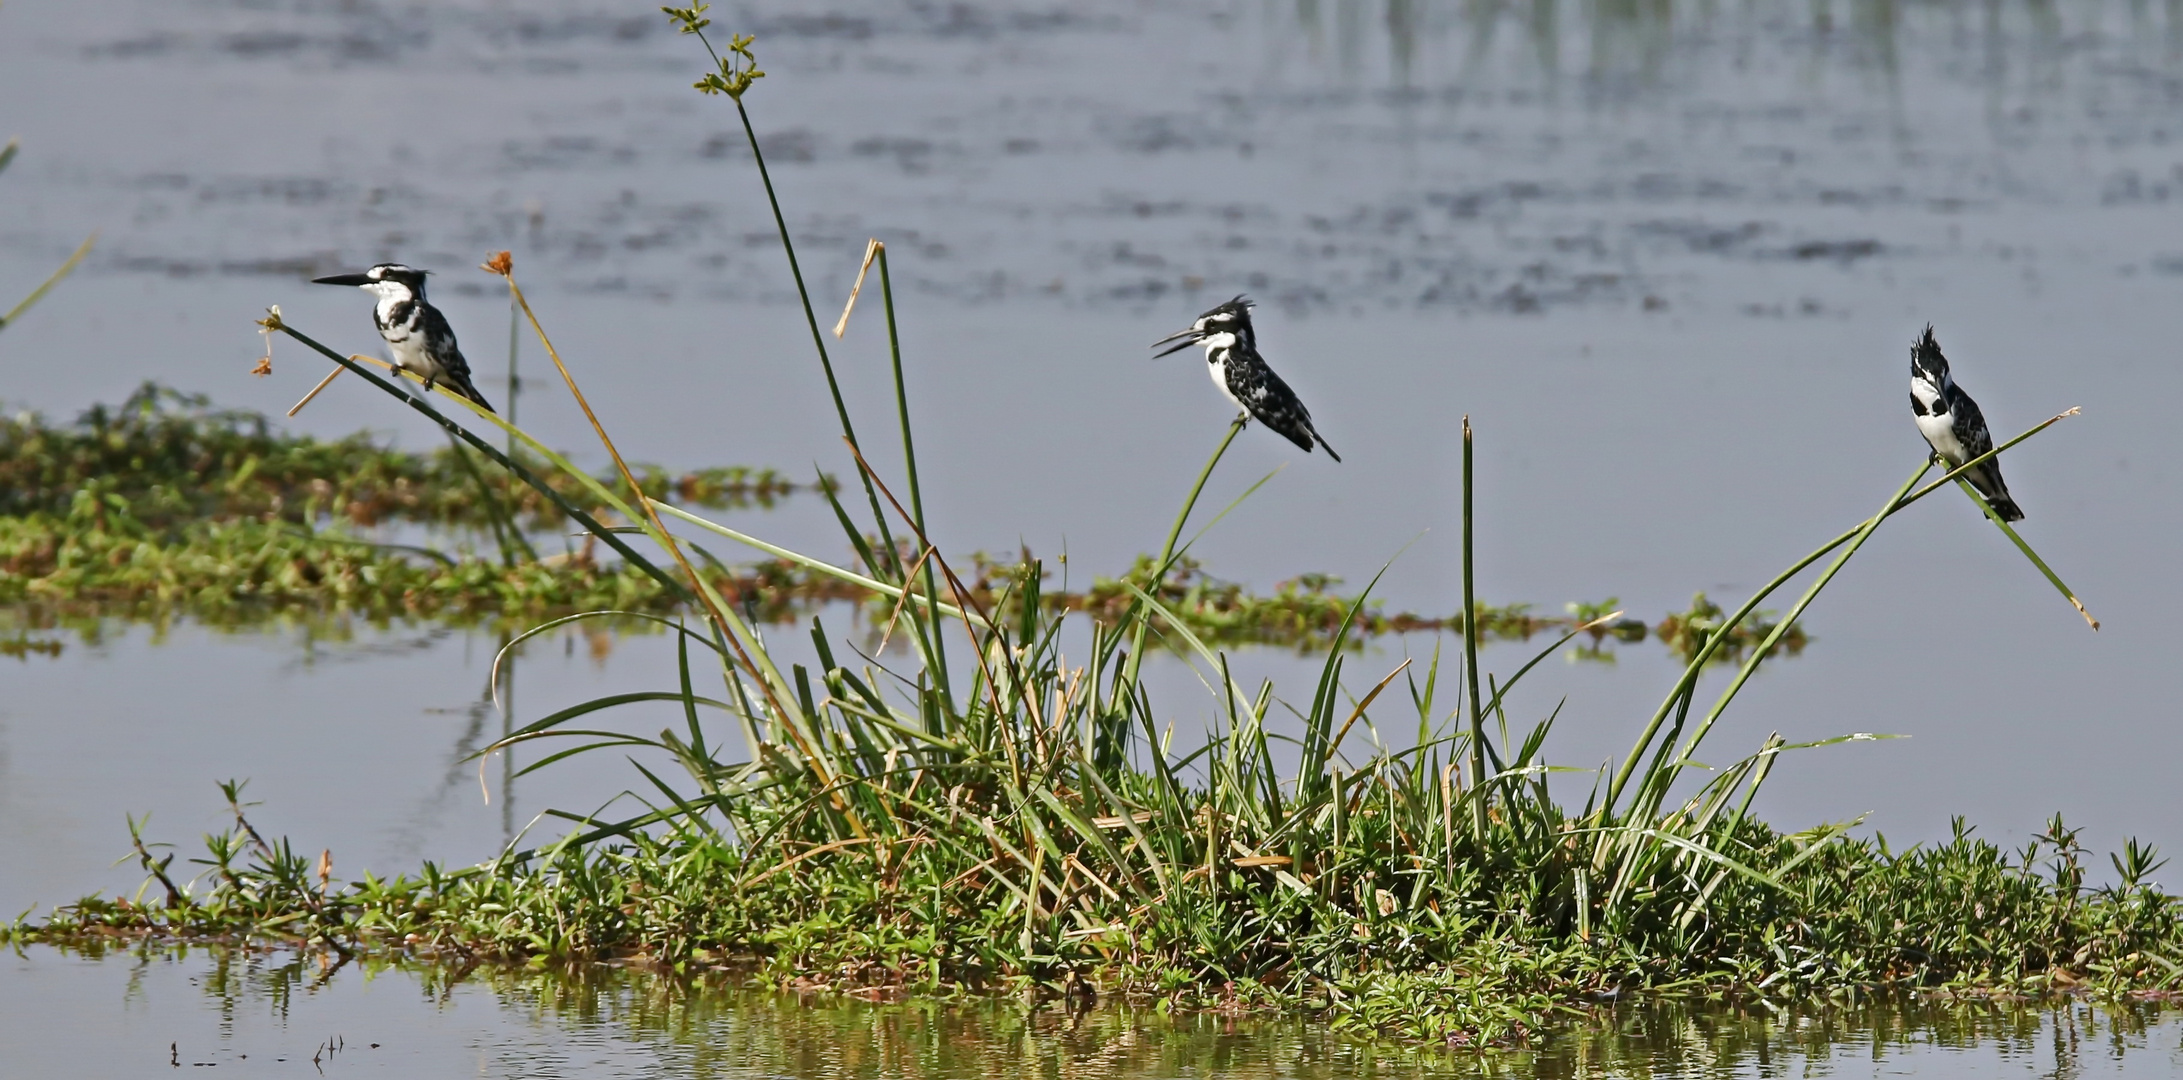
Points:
[(462, 386), (1988, 482)]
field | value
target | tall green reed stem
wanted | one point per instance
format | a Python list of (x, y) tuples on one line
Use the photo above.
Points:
[(909, 457), (1470, 656), (1167, 554), (888, 558)]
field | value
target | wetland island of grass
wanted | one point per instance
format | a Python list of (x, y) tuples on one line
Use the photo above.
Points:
[(973, 791)]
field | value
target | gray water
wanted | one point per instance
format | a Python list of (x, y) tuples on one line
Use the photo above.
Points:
[(1668, 257)]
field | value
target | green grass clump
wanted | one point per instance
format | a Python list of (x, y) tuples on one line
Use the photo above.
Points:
[(1371, 935)]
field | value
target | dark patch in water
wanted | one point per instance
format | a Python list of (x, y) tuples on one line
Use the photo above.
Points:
[(1843, 251)]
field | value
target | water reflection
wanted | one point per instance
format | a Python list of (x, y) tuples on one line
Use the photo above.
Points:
[(635, 1023), (465, 775), (1632, 42)]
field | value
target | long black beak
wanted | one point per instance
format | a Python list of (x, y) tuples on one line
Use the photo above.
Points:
[(343, 279), (1183, 339)]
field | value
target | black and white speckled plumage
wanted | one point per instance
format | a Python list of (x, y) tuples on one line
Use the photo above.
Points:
[(416, 333), (1231, 357), (1952, 424)]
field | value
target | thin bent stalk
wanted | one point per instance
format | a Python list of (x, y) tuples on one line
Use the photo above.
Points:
[(1167, 552), (730, 624), (590, 524), (1680, 695), (1766, 647), (46, 286), (820, 566), (2051, 577)]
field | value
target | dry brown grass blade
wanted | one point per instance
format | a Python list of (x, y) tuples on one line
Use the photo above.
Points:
[(322, 384), (903, 600), (871, 252)]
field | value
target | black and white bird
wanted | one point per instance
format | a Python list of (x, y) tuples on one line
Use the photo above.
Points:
[(1231, 356), (422, 342), (1951, 422)]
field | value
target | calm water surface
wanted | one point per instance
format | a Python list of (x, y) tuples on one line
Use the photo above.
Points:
[(1667, 256)]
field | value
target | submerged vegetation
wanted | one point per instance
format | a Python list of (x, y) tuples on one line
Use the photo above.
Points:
[(980, 810)]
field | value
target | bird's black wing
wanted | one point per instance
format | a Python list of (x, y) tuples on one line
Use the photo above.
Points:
[(1971, 431), (439, 340), (1272, 402), (1970, 424)]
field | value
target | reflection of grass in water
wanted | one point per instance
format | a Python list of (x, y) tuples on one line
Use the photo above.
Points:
[(1639, 39), (705, 1022)]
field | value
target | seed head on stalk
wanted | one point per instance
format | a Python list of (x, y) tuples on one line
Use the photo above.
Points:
[(738, 69)]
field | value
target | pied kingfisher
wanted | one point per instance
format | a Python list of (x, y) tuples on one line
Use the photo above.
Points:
[(1231, 356), (1951, 422), (422, 342)]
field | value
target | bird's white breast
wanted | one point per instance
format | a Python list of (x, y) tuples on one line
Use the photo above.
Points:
[(1216, 365), (403, 338), (1938, 425), (409, 353)]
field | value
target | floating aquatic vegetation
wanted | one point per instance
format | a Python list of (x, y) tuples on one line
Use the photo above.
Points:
[(166, 506), (174, 457)]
